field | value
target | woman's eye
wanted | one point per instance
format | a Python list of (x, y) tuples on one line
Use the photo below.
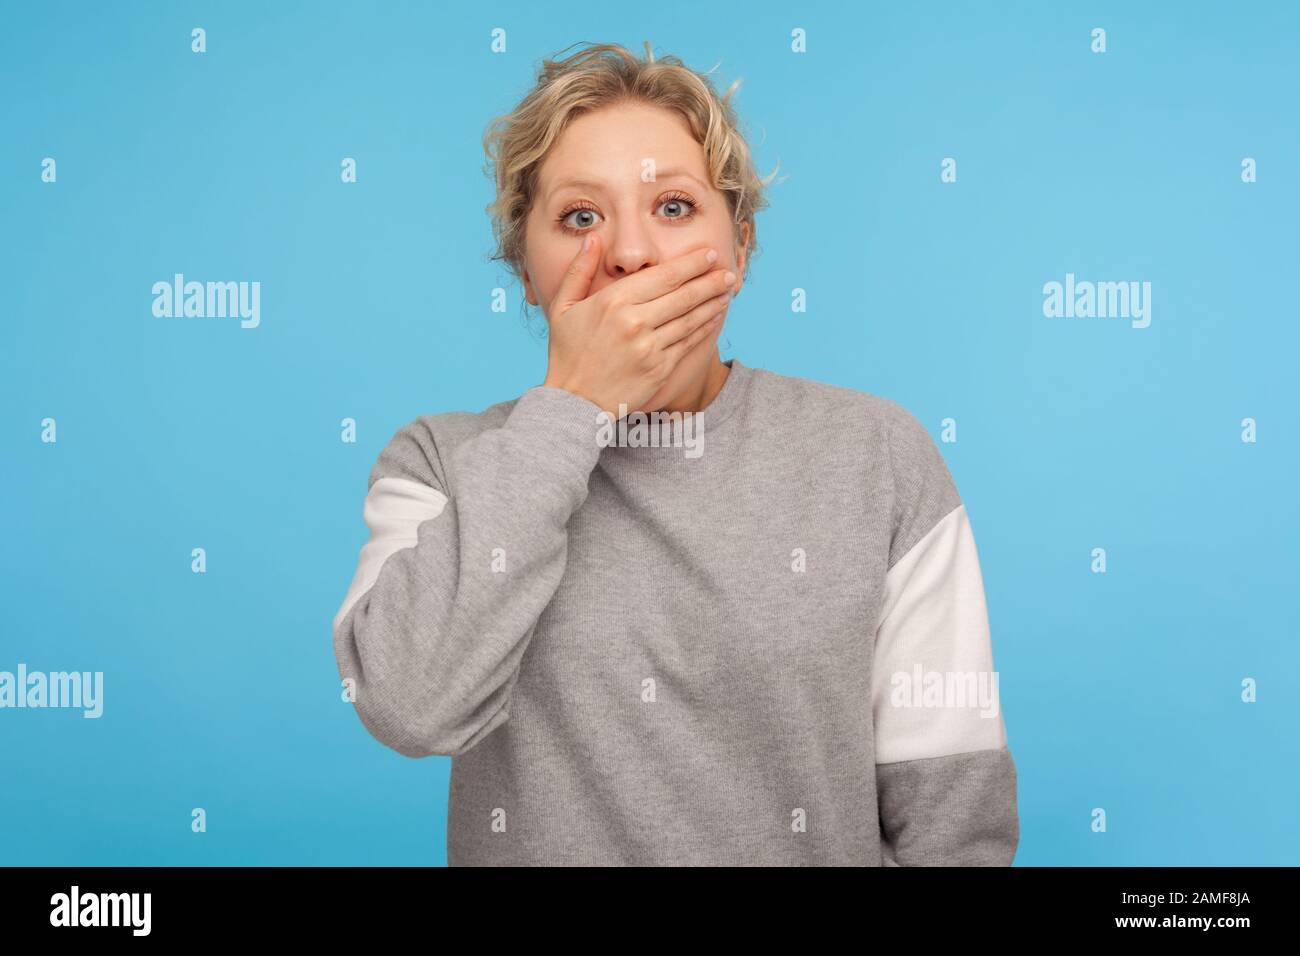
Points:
[(568, 219), (678, 208), (674, 209)]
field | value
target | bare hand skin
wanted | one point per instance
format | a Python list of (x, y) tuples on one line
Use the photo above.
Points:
[(621, 344)]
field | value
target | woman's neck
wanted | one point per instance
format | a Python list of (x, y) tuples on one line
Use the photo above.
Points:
[(701, 396)]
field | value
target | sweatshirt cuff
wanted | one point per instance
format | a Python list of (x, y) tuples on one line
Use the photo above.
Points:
[(566, 421)]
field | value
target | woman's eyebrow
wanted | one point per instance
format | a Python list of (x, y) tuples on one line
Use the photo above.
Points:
[(674, 173), (594, 185)]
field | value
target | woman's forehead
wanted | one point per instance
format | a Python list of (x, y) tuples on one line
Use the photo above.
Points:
[(605, 145)]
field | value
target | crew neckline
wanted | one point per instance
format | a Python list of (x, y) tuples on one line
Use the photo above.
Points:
[(712, 416), (729, 396)]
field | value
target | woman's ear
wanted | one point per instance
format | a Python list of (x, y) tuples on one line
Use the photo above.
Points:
[(529, 292), (742, 249), (742, 253)]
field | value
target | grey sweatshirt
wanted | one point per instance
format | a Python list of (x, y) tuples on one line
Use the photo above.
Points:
[(762, 640)]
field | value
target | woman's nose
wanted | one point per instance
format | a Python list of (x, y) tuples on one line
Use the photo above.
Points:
[(631, 248)]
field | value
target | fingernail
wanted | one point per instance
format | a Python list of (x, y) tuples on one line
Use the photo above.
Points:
[(586, 244), (729, 278), (713, 255)]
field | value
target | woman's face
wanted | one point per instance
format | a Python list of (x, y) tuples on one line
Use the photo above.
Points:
[(591, 181)]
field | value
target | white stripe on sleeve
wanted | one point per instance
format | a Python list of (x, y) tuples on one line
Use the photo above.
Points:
[(934, 687), (394, 509)]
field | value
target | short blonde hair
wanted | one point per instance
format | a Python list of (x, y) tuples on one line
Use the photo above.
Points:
[(601, 75)]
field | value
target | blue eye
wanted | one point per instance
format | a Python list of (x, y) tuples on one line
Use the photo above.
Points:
[(683, 208), (581, 209), (681, 202)]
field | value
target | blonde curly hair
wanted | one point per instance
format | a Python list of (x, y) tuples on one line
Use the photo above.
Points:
[(600, 75)]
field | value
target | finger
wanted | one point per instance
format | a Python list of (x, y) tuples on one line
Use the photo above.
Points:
[(683, 346), (650, 284), (678, 351), (678, 328), (681, 301), (577, 280)]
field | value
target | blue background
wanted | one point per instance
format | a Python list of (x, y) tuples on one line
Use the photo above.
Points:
[(1120, 690)]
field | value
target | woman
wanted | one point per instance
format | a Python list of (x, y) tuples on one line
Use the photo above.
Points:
[(639, 655)]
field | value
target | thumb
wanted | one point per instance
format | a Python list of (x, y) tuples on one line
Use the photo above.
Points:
[(577, 280)]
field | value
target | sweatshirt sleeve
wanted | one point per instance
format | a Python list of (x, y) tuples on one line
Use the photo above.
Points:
[(467, 547), (946, 781)]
